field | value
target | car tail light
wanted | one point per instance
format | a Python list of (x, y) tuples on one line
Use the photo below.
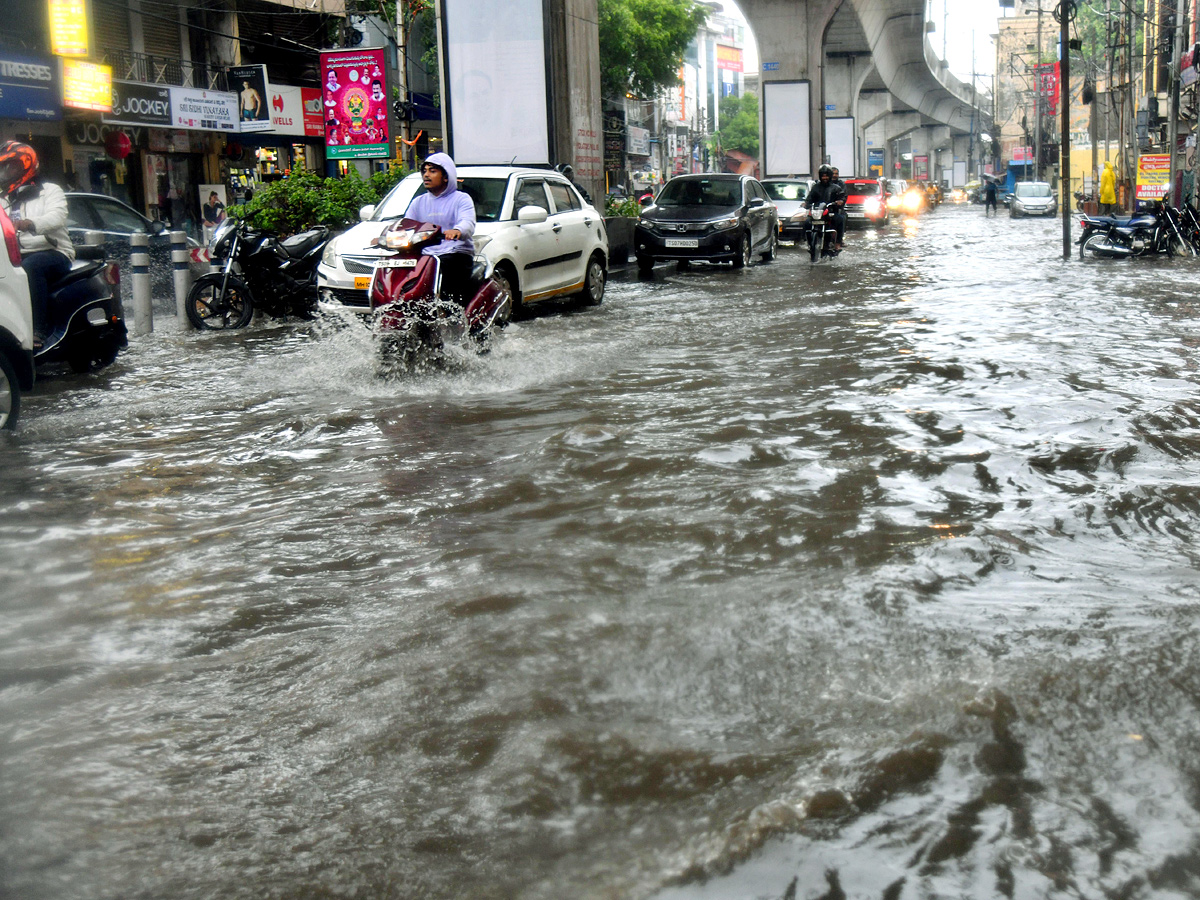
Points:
[(10, 238), (112, 274)]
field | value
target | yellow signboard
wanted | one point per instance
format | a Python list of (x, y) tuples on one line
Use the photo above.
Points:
[(69, 27), (87, 85)]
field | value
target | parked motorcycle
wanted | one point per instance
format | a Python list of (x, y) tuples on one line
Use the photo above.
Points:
[(410, 314), (87, 325), (1158, 231), (259, 272), (822, 232)]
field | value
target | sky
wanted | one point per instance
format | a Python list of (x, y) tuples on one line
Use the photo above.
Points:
[(961, 18)]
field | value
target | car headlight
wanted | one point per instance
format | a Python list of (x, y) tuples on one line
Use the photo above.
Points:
[(727, 222), (329, 255), (871, 207)]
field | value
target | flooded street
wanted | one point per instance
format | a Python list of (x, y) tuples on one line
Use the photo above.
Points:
[(875, 579)]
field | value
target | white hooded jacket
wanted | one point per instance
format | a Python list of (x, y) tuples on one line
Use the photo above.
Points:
[(46, 206), (449, 209)]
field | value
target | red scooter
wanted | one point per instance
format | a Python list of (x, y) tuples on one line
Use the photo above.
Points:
[(405, 296)]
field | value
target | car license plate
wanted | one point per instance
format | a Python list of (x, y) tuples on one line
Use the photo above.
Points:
[(855, 215), (682, 243), (362, 282), (396, 263)]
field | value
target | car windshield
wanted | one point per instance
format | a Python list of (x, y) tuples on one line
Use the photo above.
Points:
[(487, 194), (866, 189), (1033, 190), (785, 190), (719, 194)]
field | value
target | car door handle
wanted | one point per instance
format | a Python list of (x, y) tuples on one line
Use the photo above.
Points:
[(557, 229), (587, 221)]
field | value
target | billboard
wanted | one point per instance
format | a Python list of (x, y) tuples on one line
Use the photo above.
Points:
[(839, 144), (729, 58), (1047, 81), (495, 102), (786, 149), (296, 111), (354, 96), (250, 84), (875, 163)]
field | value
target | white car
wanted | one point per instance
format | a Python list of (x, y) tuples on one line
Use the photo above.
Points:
[(16, 328), (1032, 198), (533, 228)]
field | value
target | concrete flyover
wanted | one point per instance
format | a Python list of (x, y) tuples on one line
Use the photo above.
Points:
[(868, 60)]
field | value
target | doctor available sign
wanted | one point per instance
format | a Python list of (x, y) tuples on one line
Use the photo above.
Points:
[(354, 104)]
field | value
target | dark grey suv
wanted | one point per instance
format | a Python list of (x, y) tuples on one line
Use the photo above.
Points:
[(708, 218)]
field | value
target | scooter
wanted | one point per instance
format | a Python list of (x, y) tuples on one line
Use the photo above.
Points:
[(822, 232), (1159, 231), (411, 317), (87, 327), (259, 272)]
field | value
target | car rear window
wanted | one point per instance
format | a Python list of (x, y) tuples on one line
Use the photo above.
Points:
[(718, 194), (785, 190)]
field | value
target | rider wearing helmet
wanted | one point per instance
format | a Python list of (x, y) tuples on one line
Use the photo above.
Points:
[(39, 213), (830, 192)]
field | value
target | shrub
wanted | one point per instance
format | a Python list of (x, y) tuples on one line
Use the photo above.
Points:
[(614, 206), (304, 199)]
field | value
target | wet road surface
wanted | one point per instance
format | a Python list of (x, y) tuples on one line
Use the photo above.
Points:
[(872, 579)]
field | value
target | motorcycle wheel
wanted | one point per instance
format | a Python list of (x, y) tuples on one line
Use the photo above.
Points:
[(772, 247), (1096, 247), (207, 310), (10, 394), (743, 258), (1178, 247), (814, 246)]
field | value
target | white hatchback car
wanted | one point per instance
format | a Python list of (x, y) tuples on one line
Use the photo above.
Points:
[(16, 328), (535, 231)]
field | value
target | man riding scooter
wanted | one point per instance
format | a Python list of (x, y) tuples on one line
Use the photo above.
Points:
[(38, 210), (832, 193), (453, 211)]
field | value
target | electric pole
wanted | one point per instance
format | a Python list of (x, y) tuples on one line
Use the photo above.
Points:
[(1066, 11)]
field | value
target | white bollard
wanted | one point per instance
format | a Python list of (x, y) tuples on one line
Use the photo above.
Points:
[(180, 257), (139, 263), (97, 239)]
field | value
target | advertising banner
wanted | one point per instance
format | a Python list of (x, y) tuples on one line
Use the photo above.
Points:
[(354, 94), (29, 87), (1047, 80), (875, 163), (729, 58), (135, 103), (69, 27), (87, 86), (1153, 175), (199, 110), (1022, 155), (637, 141), (785, 115), (250, 85), (295, 111)]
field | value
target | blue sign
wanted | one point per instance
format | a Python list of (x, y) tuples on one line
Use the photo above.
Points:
[(830, 107), (29, 88), (770, 67)]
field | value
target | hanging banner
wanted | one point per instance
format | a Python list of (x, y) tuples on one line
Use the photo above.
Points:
[(1153, 175), (198, 110), (354, 94), (1047, 80), (250, 85), (135, 103)]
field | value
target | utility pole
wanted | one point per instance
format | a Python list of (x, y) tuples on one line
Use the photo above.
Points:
[(1037, 100), (402, 78), (1066, 10), (1173, 124), (1131, 124)]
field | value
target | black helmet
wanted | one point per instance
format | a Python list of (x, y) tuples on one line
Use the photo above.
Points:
[(825, 170), (568, 171)]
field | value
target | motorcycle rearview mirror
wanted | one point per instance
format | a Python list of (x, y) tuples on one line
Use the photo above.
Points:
[(158, 226), (364, 214), (531, 215)]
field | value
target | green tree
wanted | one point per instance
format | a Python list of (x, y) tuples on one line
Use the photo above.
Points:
[(642, 44), (739, 124)]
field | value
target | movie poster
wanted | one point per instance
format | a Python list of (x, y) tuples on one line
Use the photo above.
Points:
[(355, 101)]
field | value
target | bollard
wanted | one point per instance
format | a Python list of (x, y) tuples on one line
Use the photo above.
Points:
[(139, 259), (97, 239), (183, 276)]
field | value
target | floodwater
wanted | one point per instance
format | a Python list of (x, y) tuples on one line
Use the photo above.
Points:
[(875, 579)]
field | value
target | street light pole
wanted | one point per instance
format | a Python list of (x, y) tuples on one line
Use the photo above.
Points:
[(1065, 10), (1173, 124), (1037, 100)]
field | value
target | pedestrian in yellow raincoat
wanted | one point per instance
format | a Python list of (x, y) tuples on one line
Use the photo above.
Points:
[(1108, 191)]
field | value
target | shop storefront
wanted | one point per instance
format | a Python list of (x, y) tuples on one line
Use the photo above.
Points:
[(295, 143)]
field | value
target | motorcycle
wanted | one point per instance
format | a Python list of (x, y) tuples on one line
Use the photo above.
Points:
[(822, 232), (1159, 231), (87, 326), (259, 271), (410, 314)]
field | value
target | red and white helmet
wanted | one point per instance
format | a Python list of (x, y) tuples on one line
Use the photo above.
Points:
[(18, 165)]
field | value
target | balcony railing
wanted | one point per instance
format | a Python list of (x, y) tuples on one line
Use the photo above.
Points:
[(129, 66)]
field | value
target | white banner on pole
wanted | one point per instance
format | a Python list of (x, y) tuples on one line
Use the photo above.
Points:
[(786, 129)]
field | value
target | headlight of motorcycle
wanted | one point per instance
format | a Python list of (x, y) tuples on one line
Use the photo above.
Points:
[(481, 241), (329, 255), (727, 222)]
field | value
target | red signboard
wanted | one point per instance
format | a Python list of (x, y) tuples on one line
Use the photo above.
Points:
[(354, 95), (729, 58), (1047, 80)]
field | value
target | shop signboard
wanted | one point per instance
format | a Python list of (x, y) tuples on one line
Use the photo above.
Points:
[(253, 90), (354, 95), (29, 88), (921, 168), (638, 141), (1153, 175), (198, 110), (296, 111), (729, 58), (69, 27), (87, 85), (135, 103)]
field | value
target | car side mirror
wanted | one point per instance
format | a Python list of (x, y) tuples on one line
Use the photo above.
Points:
[(531, 215), (757, 201), (364, 214), (157, 226), (646, 201)]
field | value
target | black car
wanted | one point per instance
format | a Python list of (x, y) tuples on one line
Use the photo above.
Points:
[(117, 220), (708, 218)]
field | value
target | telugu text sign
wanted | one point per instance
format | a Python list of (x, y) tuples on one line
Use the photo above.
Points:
[(354, 94), (1153, 175)]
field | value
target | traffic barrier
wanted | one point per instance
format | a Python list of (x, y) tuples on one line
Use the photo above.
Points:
[(139, 263), (180, 265)]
